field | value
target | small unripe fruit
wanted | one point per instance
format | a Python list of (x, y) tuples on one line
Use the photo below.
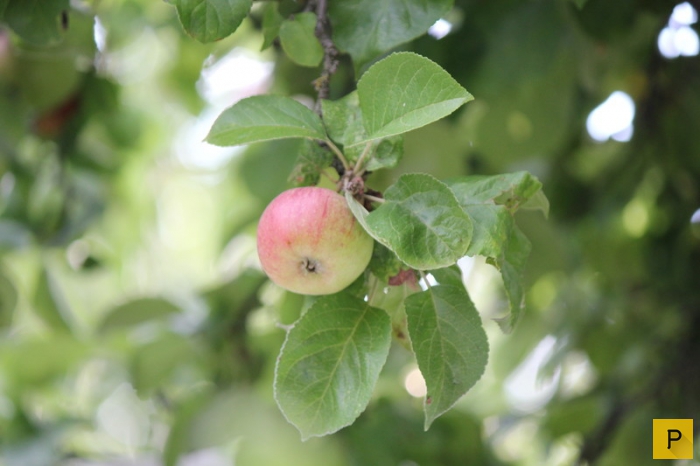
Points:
[(310, 243)]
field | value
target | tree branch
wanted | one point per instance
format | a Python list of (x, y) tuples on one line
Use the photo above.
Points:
[(330, 52), (595, 444)]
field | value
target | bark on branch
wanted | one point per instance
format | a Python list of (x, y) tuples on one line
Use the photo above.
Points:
[(330, 52)]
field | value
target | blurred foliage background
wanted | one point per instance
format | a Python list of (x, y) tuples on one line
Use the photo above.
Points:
[(137, 329)]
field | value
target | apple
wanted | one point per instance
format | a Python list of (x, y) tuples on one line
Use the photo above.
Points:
[(310, 243)]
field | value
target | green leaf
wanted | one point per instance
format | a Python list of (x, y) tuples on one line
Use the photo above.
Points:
[(451, 275), (137, 312), (421, 221), (491, 202), (312, 159), (330, 362), (367, 28), (387, 153), (263, 118), (538, 201), (449, 342), (211, 20), (35, 21), (512, 189), (344, 123), (406, 91), (511, 262), (343, 120), (271, 22), (50, 303), (491, 226), (384, 263), (299, 41)]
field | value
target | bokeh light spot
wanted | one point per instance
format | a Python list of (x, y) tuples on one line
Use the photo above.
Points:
[(678, 38), (612, 119), (635, 218), (415, 384)]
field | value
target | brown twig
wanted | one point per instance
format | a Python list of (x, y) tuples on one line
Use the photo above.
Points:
[(330, 52)]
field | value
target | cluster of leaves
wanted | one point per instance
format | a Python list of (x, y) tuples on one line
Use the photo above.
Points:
[(333, 355), (54, 189), (423, 225), (38, 26), (361, 28), (613, 272)]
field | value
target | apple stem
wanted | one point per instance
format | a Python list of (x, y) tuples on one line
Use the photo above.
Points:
[(338, 154), (359, 169), (374, 198)]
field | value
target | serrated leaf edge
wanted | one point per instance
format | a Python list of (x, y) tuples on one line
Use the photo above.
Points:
[(305, 436)]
